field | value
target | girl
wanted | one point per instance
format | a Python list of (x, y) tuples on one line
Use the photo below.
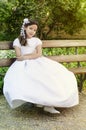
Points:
[(36, 79)]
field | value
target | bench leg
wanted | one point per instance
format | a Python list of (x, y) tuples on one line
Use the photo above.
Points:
[(82, 78)]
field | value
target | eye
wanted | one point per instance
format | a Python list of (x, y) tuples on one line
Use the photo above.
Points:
[(31, 28)]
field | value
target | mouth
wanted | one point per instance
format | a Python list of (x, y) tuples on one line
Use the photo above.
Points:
[(31, 34)]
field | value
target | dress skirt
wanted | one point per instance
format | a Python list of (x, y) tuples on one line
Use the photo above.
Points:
[(40, 81)]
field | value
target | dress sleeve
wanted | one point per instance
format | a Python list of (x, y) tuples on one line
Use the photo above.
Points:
[(16, 43), (38, 41)]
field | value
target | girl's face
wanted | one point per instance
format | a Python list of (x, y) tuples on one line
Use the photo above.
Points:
[(31, 30)]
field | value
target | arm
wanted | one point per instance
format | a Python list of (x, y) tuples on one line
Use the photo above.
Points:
[(17, 51), (34, 55)]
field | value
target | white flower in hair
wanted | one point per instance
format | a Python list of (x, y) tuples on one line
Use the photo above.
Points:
[(26, 21)]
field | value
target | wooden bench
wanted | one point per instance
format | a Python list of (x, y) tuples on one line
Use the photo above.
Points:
[(67, 58)]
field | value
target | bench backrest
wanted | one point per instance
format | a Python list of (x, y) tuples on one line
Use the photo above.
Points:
[(7, 45)]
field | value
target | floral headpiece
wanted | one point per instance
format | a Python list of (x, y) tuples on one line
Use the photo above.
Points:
[(25, 21)]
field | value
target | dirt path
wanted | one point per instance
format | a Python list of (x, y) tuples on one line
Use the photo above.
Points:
[(29, 117)]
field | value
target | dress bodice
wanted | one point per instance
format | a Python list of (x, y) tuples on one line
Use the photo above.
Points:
[(32, 43)]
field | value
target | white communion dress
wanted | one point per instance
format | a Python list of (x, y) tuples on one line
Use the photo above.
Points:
[(39, 81)]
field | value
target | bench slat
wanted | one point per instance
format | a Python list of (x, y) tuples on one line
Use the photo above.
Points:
[(64, 43), (61, 58), (6, 62), (5, 45), (68, 58), (79, 70)]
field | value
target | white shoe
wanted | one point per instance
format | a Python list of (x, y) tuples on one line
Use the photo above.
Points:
[(51, 110)]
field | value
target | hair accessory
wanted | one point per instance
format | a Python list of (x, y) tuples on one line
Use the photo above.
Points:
[(25, 21)]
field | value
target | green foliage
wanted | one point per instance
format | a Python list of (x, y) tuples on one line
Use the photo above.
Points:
[(19, 11), (2, 73), (7, 54), (66, 15), (65, 51), (4, 54), (5, 12), (52, 15)]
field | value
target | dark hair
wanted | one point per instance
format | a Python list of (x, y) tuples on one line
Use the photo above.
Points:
[(31, 22), (23, 40)]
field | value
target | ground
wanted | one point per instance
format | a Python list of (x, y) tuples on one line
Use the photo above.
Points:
[(28, 117)]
